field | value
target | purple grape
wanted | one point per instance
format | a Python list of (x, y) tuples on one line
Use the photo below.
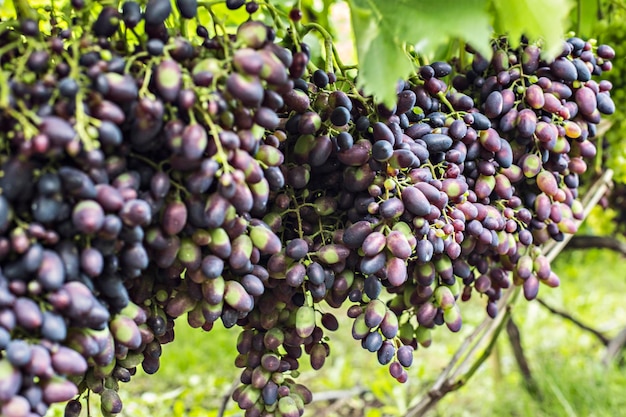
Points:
[(329, 321), (371, 265), (405, 356), (27, 313), (194, 141), (382, 150), (318, 355), (386, 352), (73, 408), (605, 103), (415, 201), (564, 69), (424, 250), (395, 369), (269, 393), (396, 271), (437, 142), (372, 286), (136, 212), (373, 342), (91, 262), (187, 8), (53, 327), (494, 104), (131, 13), (586, 100), (18, 352)]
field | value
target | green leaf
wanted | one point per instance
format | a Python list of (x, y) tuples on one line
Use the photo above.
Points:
[(535, 19), (382, 60), (384, 28)]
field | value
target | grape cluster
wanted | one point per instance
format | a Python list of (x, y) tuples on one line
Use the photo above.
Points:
[(614, 156), (612, 152), (151, 175)]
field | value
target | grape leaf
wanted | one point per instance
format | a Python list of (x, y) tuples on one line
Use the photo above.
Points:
[(535, 19), (383, 28)]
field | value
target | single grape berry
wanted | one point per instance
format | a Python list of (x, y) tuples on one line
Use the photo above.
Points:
[(155, 47), (320, 78), (73, 409), (295, 14), (131, 13), (340, 116), (252, 7), (68, 87), (157, 11), (345, 141), (29, 27), (234, 4), (187, 8), (202, 31)]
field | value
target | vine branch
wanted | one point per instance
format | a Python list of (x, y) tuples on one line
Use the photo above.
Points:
[(518, 351), (605, 341), (599, 242)]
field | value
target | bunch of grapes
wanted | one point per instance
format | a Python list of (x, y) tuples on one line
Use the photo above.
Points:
[(150, 175), (613, 154)]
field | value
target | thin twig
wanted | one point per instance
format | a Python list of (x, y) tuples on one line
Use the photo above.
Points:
[(597, 242), (505, 303), (339, 394), (518, 351), (614, 347), (227, 398), (605, 340)]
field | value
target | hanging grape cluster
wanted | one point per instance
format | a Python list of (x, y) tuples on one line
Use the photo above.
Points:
[(612, 152), (150, 174)]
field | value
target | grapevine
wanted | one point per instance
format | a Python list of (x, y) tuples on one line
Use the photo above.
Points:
[(151, 175)]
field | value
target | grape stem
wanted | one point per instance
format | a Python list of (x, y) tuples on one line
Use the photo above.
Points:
[(88, 397), (24, 10), (221, 155), (298, 217), (513, 333), (442, 97), (4, 92), (579, 16), (329, 49), (29, 129), (143, 91), (217, 23), (274, 12)]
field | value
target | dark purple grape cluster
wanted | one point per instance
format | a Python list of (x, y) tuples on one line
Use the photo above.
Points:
[(450, 192), (218, 177)]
